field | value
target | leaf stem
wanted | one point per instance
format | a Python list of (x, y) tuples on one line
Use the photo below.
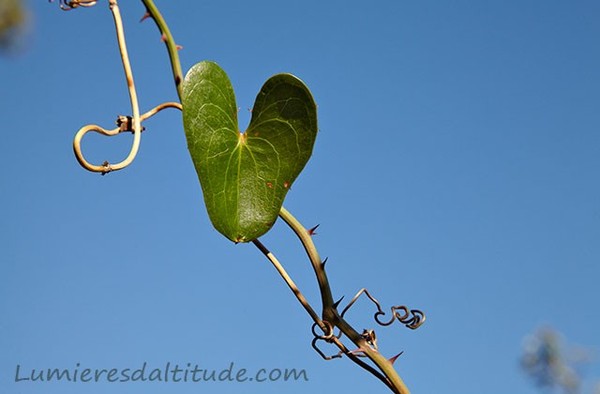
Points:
[(288, 280)]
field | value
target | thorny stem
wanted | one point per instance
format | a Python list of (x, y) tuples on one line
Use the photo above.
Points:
[(315, 260), (167, 37), (330, 312), (324, 325)]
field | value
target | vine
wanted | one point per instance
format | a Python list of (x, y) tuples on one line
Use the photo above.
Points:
[(366, 353)]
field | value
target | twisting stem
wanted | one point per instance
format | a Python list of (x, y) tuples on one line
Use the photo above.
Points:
[(104, 168), (135, 109), (167, 37), (136, 119)]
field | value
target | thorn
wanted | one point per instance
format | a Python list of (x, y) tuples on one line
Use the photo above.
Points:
[(178, 47), (146, 16), (312, 231), (163, 37), (324, 261), (393, 359), (337, 303)]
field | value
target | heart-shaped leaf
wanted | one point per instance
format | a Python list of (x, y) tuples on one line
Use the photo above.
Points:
[(245, 176)]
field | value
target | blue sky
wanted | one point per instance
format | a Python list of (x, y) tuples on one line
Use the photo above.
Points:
[(456, 171)]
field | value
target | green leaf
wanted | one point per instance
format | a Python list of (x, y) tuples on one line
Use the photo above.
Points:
[(245, 176)]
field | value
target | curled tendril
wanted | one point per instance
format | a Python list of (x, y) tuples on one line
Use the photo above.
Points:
[(325, 357), (328, 336), (412, 318), (67, 5), (124, 124)]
